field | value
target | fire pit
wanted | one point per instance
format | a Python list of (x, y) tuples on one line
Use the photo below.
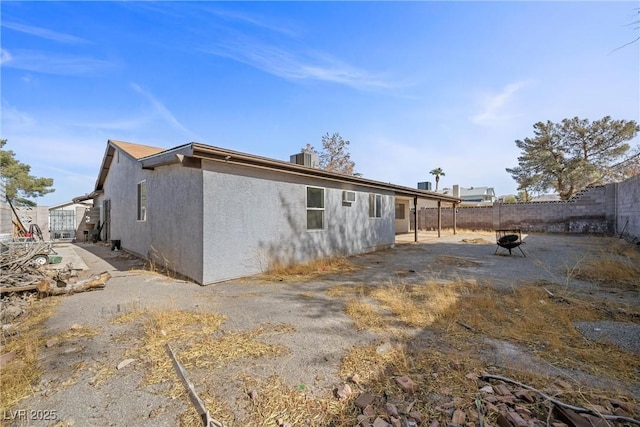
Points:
[(509, 239)]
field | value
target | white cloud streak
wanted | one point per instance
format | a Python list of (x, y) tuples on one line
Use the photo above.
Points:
[(298, 66), (494, 107), (161, 110), (53, 64), (44, 33)]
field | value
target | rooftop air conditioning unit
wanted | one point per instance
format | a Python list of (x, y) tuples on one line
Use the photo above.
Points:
[(349, 196)]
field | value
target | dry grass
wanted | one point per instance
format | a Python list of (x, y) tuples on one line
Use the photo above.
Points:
[(397, 304), (438, 373), (308, 271), (200, 346), (23, 372), (277, 401), (617, 265), (526, 315), (529, 316)]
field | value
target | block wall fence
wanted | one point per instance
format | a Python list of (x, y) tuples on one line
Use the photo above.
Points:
[(611, 209)]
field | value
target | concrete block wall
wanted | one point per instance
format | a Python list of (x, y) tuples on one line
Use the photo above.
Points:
[(603, 209), (628, 209)]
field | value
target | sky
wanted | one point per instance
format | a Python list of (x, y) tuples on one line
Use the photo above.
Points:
[(413, 86)]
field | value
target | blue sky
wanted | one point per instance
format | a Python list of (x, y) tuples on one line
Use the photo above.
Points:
[(412, 85)]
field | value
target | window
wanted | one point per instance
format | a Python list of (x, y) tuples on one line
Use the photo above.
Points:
[(142, 201), (375, 205), (400, 210), (315, 208)]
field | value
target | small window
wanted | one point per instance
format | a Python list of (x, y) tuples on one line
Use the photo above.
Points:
[(400, 210), (375, 205), (142, 201), (315, 208)]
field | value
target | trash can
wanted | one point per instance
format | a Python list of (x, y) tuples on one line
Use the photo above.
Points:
[(115, 245)]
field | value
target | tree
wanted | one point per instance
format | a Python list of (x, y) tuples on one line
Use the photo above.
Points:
[(635, 25), (438, 172), (334, 156), (574, 154), (19, 184)]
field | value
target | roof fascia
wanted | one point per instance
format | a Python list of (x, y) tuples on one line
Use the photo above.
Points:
[(228, 156), (167, 157)]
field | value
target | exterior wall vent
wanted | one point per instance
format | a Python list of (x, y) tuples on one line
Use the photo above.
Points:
[(349, 196), (305, 159)]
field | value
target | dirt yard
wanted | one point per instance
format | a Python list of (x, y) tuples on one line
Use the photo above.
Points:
[(302, 349)]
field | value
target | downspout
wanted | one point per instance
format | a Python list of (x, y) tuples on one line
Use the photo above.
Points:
[(415, 219), (439, 216)]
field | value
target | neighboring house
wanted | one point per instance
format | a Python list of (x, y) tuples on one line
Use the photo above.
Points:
[(474, 195), (214, 214), (69, 221), (546, 198)]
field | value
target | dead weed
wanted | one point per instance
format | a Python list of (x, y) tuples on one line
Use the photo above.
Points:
[(23, 372), (279, 272)]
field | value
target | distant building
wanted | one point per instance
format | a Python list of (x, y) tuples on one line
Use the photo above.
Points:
[(546, 198), (473, 195)]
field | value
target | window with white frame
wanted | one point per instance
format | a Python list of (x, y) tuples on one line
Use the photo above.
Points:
[(142, 201), (375, 205), (315, 208)]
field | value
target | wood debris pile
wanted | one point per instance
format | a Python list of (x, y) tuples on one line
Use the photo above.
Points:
[(19, 267)]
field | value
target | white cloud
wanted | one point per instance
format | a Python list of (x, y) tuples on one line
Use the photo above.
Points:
[(162, 111), (495, 107), (43, 33), (14, 118), (54, 64), (5, 56), (297, 65)]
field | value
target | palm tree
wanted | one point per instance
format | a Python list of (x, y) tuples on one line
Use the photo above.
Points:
[(438, 172)]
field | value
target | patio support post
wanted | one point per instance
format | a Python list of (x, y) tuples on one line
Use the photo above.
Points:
[(439, 216), (455, 215), (415, 218)]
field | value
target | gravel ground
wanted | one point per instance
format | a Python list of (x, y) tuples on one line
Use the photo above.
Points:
[(323, 332)]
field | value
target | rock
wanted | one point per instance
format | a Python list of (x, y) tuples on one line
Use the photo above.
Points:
[(434, 423), (379, 422), (391, 409), (526, 395), (487, 389), (384, 348), (76, 327), (458, 417), (406, 384), (12, 311), (253, 394), (51, 343), (502, 390), (417, 416), (364, 400), (124, 363), (355, 378), (343, 392), (369, 411), (395, 422), (516, 419), (7, 357)]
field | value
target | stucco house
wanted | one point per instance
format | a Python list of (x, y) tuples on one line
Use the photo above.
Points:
[(474, 195), (214, 214)]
